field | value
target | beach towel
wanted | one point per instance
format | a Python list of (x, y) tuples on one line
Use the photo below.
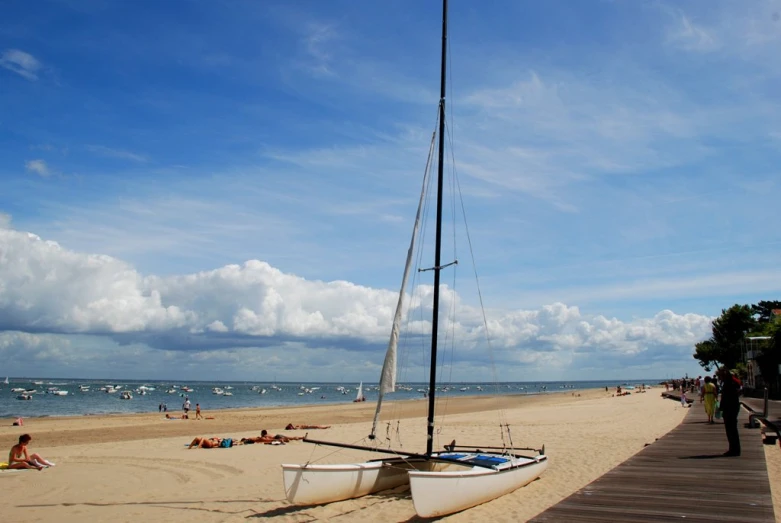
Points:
[(3, 465), (226, 442)]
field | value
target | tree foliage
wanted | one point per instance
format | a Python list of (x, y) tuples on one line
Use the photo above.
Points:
[(728, 339), (725, 346), (769, 356), (764, 311)]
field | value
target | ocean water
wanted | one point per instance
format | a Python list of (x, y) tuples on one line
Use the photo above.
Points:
[(244, 394)]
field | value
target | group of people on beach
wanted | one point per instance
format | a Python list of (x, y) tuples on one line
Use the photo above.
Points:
[(723, 383), (264, 438)]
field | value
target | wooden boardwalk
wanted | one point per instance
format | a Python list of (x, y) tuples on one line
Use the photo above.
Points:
[(680, 477)]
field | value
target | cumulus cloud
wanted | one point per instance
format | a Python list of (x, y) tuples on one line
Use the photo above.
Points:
[(38, 167), (21, 63), (5, 221), (46, 288)]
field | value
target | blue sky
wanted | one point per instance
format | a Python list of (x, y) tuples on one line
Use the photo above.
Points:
[(226, 190)]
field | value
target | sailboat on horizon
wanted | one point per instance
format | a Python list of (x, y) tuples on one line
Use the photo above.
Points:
[(359, 397), (441, 482), (6, 381)]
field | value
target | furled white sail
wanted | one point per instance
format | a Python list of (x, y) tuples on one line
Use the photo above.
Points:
[(359, 397), (388, 375)]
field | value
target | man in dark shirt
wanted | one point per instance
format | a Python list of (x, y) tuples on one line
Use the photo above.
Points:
[(730, 407)]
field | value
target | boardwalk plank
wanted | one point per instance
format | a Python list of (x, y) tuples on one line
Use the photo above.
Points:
[(681, 476)]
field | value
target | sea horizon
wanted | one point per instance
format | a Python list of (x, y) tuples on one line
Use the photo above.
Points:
[(86, 397)]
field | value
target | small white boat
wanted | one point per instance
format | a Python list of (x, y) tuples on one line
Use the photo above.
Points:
[(24, 397), (60, 392), (359, 397), (227, 393), (6, 380), (17, 389), (126, 395), (441, 492)]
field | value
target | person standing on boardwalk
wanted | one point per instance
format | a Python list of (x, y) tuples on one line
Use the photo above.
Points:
[(708, 396), (730, 407)]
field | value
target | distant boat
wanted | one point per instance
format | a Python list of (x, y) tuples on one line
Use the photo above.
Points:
[(6, 380), (359, 397), (60, 392), (126, 395)]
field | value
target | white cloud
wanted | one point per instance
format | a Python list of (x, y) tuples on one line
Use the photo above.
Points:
[(117, 153), (5, 221), (38, 167), (47, 288), (689, 36), (316, 42), (23, 64)]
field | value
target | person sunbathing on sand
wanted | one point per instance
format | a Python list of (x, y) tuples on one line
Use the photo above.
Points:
[(19, 459), (206, 443), (270, 439), (290, 426)]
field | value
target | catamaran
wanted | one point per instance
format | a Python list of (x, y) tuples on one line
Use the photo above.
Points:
[(441, 482)]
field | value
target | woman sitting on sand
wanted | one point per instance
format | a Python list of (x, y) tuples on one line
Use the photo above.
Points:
[(19, 459), (290, 426)]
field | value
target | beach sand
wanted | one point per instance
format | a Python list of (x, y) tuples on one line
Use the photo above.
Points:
[(773, 459), (138, 467)]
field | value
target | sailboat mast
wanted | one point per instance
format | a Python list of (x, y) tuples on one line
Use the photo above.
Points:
[(438, 249)]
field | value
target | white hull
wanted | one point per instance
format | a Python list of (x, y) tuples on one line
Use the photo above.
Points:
[(315, 484), (438, 493)]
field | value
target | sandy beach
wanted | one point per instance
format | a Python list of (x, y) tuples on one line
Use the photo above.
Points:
[(138, 467)]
